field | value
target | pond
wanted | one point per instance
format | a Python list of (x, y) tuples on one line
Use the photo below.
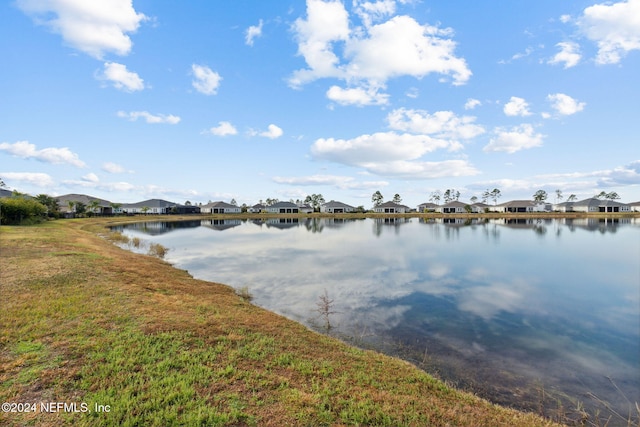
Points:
[(528, 313)]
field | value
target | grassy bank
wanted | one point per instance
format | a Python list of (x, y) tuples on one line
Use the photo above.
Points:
[(86, 322)]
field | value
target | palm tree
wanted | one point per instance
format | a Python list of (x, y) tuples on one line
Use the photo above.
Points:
[(94, 205)]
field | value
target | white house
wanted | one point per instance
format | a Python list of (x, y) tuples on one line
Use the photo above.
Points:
[(480, 207), (391, 207), (427, 207), (597, 205), (220, 208), (257, 208), (453, 207), (521, 206), (305, 208), (336, 207), (283, 207)]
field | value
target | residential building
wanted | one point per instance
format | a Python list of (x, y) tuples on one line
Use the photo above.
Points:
[(391, 207), (220, 208), (336, 207), (453, 207), (283, 208), (427, 207)]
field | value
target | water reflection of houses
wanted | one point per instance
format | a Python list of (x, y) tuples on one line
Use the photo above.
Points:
[(282, 223), (602, 225), (155, 228), (220, 224)]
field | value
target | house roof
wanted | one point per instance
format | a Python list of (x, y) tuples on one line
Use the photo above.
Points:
[(258, 206), (82, 198), (392, 205), (592, 201), (151, 203), (334, 204), (219, 204), (428, 205), (454, 204), (283, 205), (512, 203)]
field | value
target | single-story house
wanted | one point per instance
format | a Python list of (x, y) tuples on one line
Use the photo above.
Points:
[(257, 208), (597, 205), (219, 208), (427, 207), (391, 207), (336, 207), (634, 206), (520, 206), (480, 207), (453, 207), (104, 207), (305, 208), (283, 208), (158, 206)]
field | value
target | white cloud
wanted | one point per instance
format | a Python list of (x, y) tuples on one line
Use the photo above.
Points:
[(272, 132), (569, 55), (34, 178), (615, 27), (121, 78), (91, 177), (391, 154), (515, 139), (341, 182), (517, 107), (357, 96), (112, 167), (253, 32), (471, 104), (367, 57), (223, 129), (26, 150), (622, 175), (93, 27), (564, 104), (205, 80), (375, 11), (149, 118), (441, 124)]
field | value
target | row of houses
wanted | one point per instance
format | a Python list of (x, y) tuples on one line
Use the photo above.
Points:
[(68, 203)]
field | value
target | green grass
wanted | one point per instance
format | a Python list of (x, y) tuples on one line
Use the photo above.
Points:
[(86, 321)]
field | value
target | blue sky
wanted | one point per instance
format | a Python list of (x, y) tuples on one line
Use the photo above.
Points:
[(252, 100)]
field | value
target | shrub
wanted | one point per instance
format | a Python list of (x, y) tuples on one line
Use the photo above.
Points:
[(156, 249), (18, 210)]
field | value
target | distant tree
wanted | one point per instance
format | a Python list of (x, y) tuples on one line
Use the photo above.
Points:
[(244, 208), (2, 184), (271, 201), (80, 208), (540, 196), (558, 196), (612, 196), (486, 195), (93, 206), (53, 210), (434, 197), (71, 205), (233, 202), (571, 198), (397, 198), (474, 199), (601, 195), (187, 203), (145, 209), (377, 198), (315, 200), (495, 195)]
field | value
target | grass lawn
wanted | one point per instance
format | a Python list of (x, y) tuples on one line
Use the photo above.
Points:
[(84, 322)]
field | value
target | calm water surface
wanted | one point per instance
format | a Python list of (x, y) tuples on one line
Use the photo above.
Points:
[(526, 313)]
